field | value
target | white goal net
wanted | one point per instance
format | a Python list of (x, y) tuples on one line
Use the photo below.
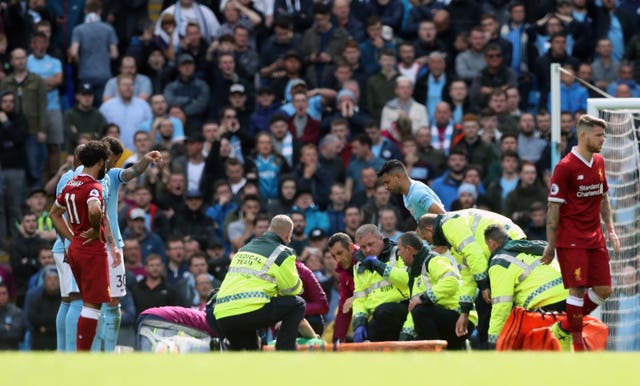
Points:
[(621, 312)]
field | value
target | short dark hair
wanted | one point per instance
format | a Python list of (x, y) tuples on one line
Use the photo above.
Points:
[(509, 153), (496, 233), (341, 238), (276, 118), (391, 166), (114, 145), (283, 22), (411, 239), (363, 139), (92, 153), (320, 9)]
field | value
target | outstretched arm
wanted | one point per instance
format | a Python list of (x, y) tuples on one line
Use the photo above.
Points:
[(139, 167)]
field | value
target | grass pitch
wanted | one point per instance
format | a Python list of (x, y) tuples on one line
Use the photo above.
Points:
[(304, 368)]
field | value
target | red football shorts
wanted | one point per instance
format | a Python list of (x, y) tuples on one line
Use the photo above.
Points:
[(91, 271), (584, 267)]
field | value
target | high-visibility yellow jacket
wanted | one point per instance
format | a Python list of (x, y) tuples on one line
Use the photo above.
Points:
[(263, 269), (387, 283), (463, 232), (518, 278)]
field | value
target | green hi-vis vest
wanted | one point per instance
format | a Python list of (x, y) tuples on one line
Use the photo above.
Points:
[(518, 278), (259, 271), (372, 289), (463, 232)]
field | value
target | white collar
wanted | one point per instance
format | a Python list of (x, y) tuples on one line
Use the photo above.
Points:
[(575, 152)]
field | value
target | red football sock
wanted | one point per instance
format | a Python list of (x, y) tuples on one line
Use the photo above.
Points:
[(573, 322), (86, 332)]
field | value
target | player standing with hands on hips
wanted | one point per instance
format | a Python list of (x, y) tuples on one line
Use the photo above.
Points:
[(577, 201), (82, 199)]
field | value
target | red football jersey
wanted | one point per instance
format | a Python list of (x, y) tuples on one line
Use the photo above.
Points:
[(579, 186), (75, 198)]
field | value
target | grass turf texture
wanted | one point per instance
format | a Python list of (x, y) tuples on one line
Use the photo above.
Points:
[(304, 368)]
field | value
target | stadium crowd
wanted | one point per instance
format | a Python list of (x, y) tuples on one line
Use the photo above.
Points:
[(271, 107)]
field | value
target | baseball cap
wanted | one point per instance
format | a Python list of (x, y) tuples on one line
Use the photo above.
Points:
[(184, 58), (195, 137), (36, 191), (137, 213), (292, 54), (193, 193), (236, 88), (85, 88), (317, 234), (265, 90), (297, 82), (49, 270)]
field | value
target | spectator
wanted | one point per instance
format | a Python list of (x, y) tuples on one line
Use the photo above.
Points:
[(530, 145), (467, 197), (194, 44), (93, 45), (478, 152), (315, 218), (443, 130), (150, 242), (283, 141), (381, 146), (310, 176), (424, 10), (185, 11), (536, 229), (371, 48), (223, 204), (24, 254), (268, 165), (126, 110), (506, 122), (193, 222), (300, 13), (299, 239), (380, 85), (225, 82), (573, 96), (491, 26), (283, 40), (14, 135), (432, 86), (301, 125), (238, 232), (160, 111), (427, 153), (50, 69), (472, 61), (192, 164), (503, 184), (141, 83), (30, 99), (322, 43), (43, 308), (132, 256), (348, 109), (529, 189), (362, 158), (12, 321), (368, 179), (82, 118), (556, 54), (153, 291), (266, 107), (625, 76), (605, 67), (188, 92), (496, 74), (343, 18), (370, 210), (427, 41), (403, 105), (446, 186)]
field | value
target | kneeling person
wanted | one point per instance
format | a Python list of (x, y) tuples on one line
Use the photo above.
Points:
[(380, 291), (519, 279), (435, 290), (260, 290)]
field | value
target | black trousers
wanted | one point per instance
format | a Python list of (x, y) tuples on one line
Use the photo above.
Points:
[(387, 321), (435, 322), (241, 330), (484, 316)]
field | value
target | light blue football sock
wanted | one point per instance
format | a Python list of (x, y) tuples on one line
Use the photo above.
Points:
[(61, 338), (111, 327), (96, 346), (71, 325)]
